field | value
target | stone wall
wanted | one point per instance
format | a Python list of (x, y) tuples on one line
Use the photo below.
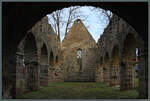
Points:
[(55, 75), (45, 42), (78, 69), (117, 48)]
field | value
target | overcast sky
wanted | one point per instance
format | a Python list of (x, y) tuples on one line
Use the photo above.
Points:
[(95, 21)]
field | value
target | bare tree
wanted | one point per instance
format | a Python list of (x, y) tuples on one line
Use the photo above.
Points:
[(73, 14), (56, 19)]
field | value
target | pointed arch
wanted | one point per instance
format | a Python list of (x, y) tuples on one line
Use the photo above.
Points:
[(51, 58), (44, 55)]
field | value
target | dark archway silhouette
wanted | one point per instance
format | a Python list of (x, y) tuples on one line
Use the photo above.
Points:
[(56, 60), (51, 59), (15, 27)]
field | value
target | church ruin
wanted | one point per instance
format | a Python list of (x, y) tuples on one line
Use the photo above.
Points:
[(42, 59)]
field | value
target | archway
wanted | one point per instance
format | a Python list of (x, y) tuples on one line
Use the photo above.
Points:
[(31, 63), (106, 68), (29, 21), (115, 68), (44, 66), (51, 59), (127, 72), (56, 61)]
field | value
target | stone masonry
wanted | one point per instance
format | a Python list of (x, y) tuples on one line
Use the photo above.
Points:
[(78, 39)]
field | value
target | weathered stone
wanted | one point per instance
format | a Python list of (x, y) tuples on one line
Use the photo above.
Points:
[(120, 36), (79, 68)]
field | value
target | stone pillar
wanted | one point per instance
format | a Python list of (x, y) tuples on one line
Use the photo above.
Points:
[(143, 73), (106, 74), (114, 75), (43, 68), (9, 78), (99, 73), (20, 85), (32, 79), (44, 75), (126, 75)]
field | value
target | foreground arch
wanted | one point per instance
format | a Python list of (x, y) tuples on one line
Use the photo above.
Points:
[(23, 21)]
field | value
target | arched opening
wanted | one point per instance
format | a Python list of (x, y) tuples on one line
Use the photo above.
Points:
[(44, 66), (31, 63), (115, 68), (106, 68), (56, 60), (44, 55), (79, 58), (28, 21), (51, 59), (127, 74)]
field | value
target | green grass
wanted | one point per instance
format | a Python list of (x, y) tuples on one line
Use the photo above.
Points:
[(79, 90), (137, 81)]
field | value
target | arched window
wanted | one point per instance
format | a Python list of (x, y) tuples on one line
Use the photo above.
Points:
[(79, 58), (79, 53)]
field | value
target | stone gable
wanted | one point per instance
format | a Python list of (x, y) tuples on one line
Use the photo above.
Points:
[(78, 36)]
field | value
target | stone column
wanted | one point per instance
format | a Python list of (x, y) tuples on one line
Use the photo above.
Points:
[(106, 71), (32, 76), (44, 74), (111, 69), (126, 75), (143, 73), (114, 75)]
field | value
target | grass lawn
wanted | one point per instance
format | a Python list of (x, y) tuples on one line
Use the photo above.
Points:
[(79, 90)]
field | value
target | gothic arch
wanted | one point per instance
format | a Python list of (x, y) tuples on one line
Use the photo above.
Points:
[(51, 60), (44, 55)]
